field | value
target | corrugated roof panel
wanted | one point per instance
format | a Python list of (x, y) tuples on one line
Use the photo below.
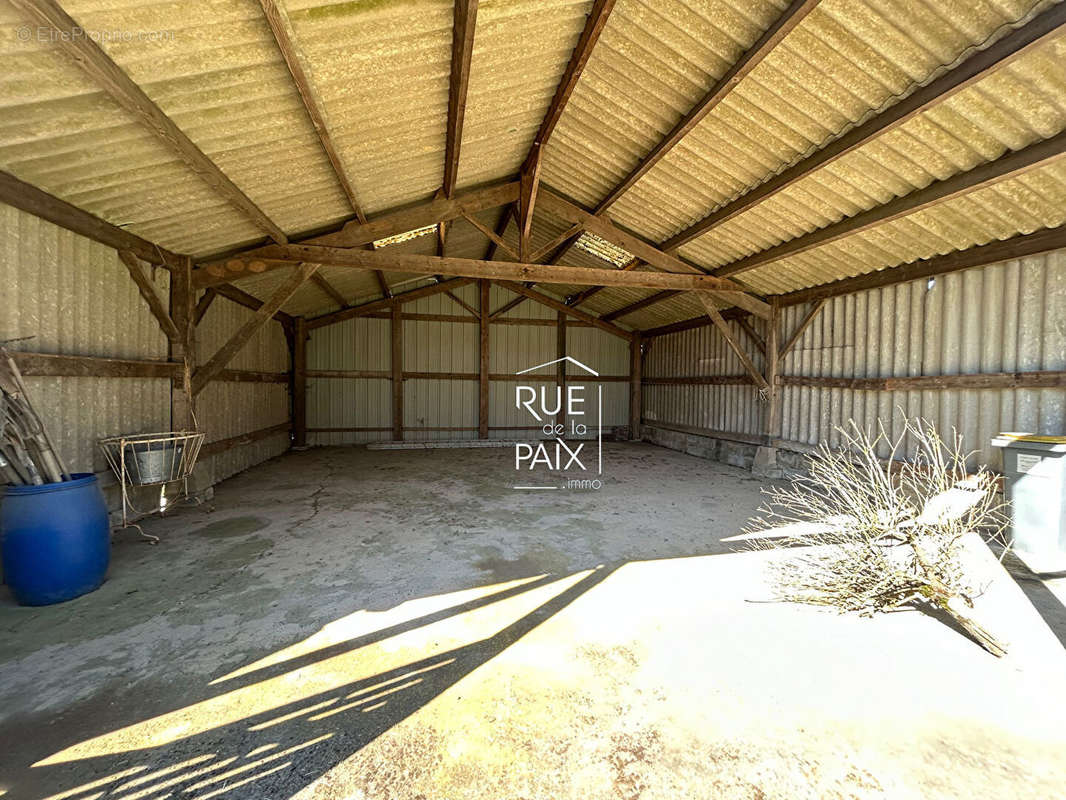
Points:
[(652, 63), (959, 134), (382, 71), (1020, 205), (521, 49)]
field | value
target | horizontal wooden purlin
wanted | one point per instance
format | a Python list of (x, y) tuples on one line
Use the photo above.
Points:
[(658, 297), (711, 433), (701, 380), (492, 270), (984, 380), (1011, 165), (688, 324), (386, 303), (222, 445), (558, 305), (973, 68), (383, 374), (32, 200), (64, 366), (465, 320), (1016, 247)]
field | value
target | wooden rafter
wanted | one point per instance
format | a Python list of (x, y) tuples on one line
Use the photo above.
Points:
[(1008, 166), (734, 342), (594, 24), (28, 198), (462, 50), (242, 298), (648, 253), (377, 306), (204, 304), (1016, 247), (749, 330), (804, 324), (789, 19), (560, 306), (328, 289), (639, 304), (240, 338), (383, 284), (150, 295), (281, 27), (88, 55), (702, 321), (974, 68), (572, 232), (528, 185), (501, 229), (495, 270), (492, 236)]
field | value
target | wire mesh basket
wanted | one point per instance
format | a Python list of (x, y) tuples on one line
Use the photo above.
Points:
[(152, 458)]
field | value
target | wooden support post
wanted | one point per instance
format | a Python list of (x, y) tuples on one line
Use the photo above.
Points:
[(299, 383), (397, 372), (560, 353), (483, 353), (731, 338), (183, 349), (773, 412), (635, 369)]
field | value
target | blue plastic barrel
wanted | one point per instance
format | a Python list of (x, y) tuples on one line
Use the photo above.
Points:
[(56, 540)]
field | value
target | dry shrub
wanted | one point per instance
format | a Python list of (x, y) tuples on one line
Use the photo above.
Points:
[(878, 535)]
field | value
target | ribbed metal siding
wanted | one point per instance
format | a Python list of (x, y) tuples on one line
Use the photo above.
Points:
[(356, 344), (1002, 318), (702, 352), (75, 297), (230, 409)]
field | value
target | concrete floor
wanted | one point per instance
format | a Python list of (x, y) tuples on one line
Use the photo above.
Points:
[(400, 624)]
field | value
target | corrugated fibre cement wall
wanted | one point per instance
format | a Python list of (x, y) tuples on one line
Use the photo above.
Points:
[(876, 357)]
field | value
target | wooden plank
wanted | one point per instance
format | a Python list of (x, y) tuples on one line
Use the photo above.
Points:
[(782, 26), (638, 305), (285, 37), (804, 324), (590, 34), (464, 23), (702, 321), (240, 338), (752, 334), (242, 298), (483, 360), (183, 349), (1011, 165), (648, 253), (366, 309), (492, 235), (222, 445), (47, 364), (730, 337), (493, 270), (473, 312), (383, 284), (356, 234), (1046, 379), (328, 289), (528, 186), (397, 373), (203, 304), (700, 380), (1016, 247), (150, 295), (299, 383), (557, 305), (501, 228), (512, 303), (29, 198), (571, 233), (106, 74), (772, 360), (371, 374), (974, 68), (635, 391)]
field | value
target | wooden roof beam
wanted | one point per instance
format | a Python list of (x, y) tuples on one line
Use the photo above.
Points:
[(1008, 166), (640, 304), (560, 306), (375, 306), (978, 66), (88, 55), (463, 27), (494, 270), (789, 19), (26, 197), (328, 289)]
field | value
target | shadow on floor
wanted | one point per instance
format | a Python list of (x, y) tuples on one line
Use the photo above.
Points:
[(278, 752)]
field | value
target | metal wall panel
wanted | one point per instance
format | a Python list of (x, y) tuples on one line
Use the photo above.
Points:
[(75, 297), (1002, 318), (226, 409)]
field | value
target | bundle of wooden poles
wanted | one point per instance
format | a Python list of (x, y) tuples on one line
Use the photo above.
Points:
[(27, 455)]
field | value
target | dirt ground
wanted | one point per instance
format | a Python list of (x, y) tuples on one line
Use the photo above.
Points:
[(344, 623)]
